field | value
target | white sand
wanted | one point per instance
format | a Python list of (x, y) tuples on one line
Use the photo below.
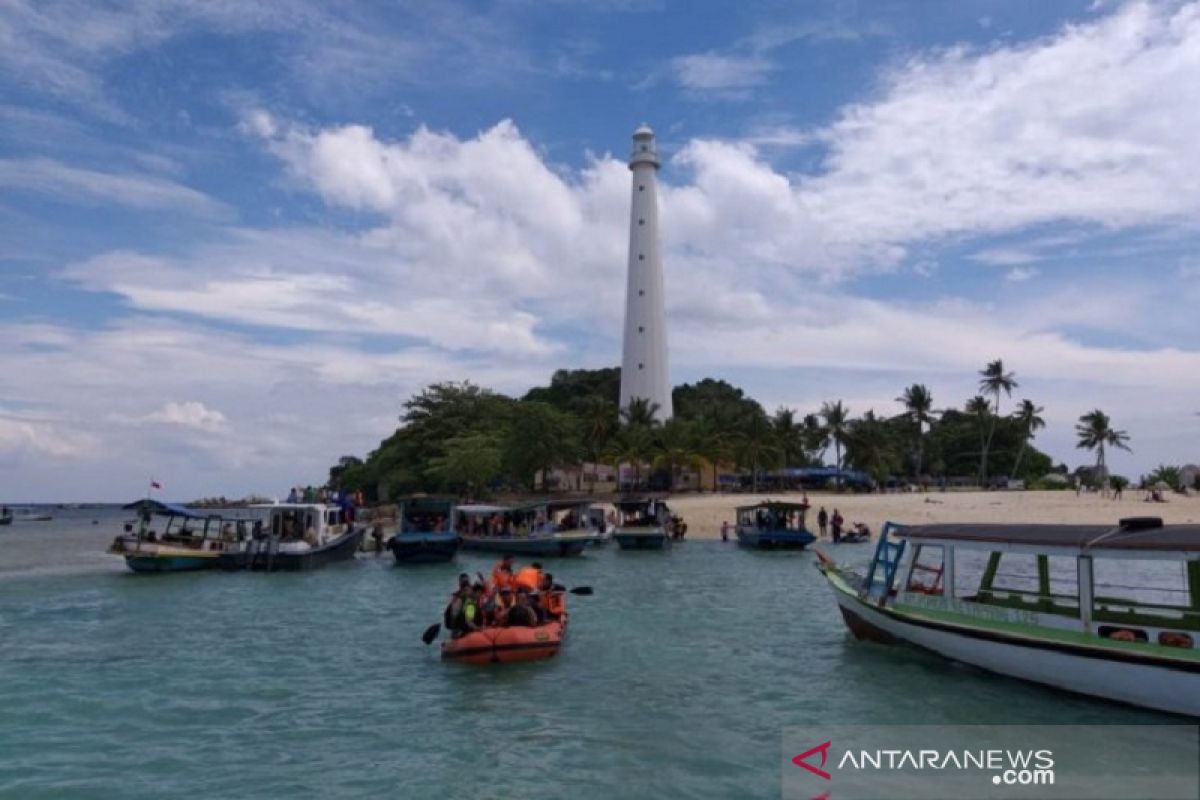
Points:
[(705, 512)]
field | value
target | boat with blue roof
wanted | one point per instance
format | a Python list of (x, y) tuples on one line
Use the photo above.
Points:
[(425, 534), (774, 525), (184, 540)]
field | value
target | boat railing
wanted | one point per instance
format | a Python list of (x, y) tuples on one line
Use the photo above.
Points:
[(882, 574)]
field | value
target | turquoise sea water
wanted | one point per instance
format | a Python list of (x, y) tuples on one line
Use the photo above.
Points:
[(677, 679)]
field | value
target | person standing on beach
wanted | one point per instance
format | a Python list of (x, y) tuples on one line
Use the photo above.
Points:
[(835, 526), (725, 531), (822, 521)]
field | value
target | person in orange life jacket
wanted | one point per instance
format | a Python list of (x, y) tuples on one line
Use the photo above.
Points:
[(522, 614), (502, 574), (530, 577), (551, 602)]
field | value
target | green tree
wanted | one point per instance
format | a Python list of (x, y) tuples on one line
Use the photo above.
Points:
[(600, 421), (1167, 474), (640, 413), (918, 407), (789, 438), (468, 464), (757, 445), (816, 438), (677, 448), (1095, 432), (872, 447), (836, 418), (540, 439), (1027, 417), (994, 381)]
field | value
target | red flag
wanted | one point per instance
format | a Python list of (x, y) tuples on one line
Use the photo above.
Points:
[(155, 484)]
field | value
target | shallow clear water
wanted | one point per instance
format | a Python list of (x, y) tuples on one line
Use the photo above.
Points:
[(676, 680)]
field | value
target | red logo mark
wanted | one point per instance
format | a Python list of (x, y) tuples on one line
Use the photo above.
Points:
[(823, 749)]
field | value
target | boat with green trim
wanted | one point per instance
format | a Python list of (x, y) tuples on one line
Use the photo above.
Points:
[(773, 525), (189, 539), (643, 523), (543, 528), (1108, 611)]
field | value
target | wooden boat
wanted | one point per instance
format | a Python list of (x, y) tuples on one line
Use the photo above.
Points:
[(505, 645), (773, 526), (549, 528), (190, 540), (297, 536), (425, 534), (1108, 611), (642, 524)]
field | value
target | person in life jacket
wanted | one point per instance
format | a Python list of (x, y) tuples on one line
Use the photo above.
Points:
[(502, 602), (454, 606), (502, 574), (551, 603), (470, 614), (522, 615), (530, 577)]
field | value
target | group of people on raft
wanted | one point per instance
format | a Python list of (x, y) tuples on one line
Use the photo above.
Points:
[(527, 597)]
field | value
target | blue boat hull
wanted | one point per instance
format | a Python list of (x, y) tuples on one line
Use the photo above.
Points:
[(423, 548), (775, 540), (169, 563), (641, 541)]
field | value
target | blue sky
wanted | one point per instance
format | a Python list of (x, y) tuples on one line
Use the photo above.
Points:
[(234, 236)]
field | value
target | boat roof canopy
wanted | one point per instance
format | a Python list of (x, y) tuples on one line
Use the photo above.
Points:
[(638, 502), (776, 505), (436, 504), (1146, 534), (479, 508), (166, 509)]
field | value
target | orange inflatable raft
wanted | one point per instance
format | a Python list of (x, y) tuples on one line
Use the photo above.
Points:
[(497, 645)]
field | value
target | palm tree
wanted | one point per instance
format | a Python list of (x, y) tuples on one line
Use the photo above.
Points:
[(836, 417), (600, 420), (757, 444), (677, 448), (640, 412), (816, 438), (1027, 417), (870, 448), (994, 381), (918, 405), (1095, 431), (789, 435), (981, 409)]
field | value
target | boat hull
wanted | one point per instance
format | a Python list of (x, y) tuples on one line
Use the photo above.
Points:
[(775, 540), (553, 545), (170, 563), (1162, 684), (423, 548), (506, 645), (259, 555), (6, 520), (641, 538)]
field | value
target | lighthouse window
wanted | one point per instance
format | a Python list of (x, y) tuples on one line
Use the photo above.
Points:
[(641, 292), (641, 188), (641, 329), (645, 148), (641, 222), (641, 257), (641, 366)]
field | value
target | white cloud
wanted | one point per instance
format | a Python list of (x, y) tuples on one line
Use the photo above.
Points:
[(1094, 124), (1021, 274), (74, 184), (189, 414), (709, 71)]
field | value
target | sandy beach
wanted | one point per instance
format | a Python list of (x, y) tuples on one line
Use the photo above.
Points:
[(705, 513)]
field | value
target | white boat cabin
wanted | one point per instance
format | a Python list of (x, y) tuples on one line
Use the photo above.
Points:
[(311, 524), (1136, 582)]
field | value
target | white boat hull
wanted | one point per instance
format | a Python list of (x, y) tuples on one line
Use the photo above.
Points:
[(1159, 687)]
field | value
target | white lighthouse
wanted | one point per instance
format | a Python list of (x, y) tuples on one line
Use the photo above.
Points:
[(644, 357)]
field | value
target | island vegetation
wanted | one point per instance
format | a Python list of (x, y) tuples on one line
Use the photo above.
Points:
[(467, 440)]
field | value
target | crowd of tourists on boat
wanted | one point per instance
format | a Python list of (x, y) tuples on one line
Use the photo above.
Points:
[(525, 597)]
